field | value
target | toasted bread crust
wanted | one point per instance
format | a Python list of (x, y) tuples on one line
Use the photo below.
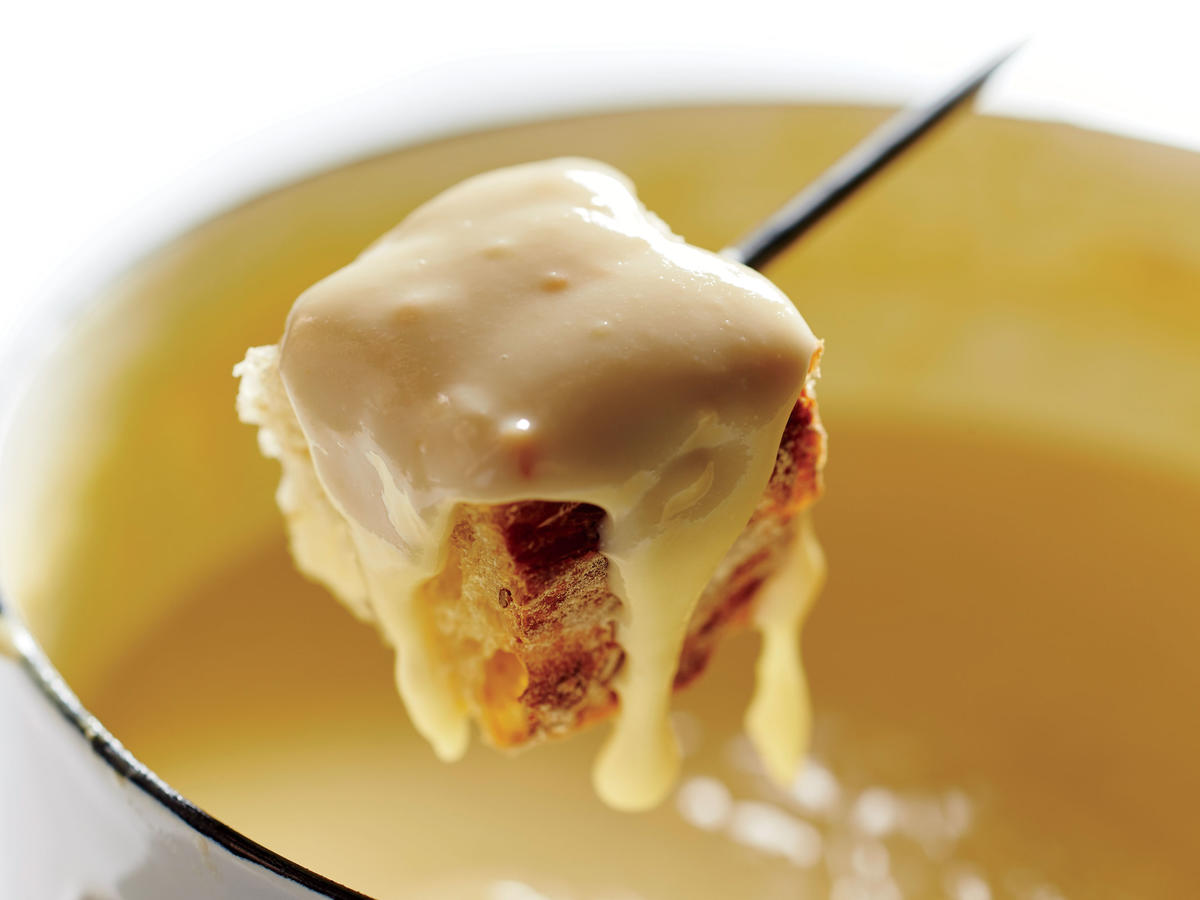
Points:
[(531, 631)]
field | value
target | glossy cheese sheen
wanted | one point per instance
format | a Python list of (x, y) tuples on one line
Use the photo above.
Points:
[(535, 333)]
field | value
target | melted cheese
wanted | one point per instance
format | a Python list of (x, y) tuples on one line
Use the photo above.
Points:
[(535, 333), (779, 717)]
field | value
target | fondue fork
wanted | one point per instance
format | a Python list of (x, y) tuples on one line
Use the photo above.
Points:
[(856, 168)]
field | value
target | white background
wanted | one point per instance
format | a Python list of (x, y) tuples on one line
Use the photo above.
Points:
[(115, 109)]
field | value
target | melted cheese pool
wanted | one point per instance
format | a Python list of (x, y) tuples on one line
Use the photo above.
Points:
[(310, 752)]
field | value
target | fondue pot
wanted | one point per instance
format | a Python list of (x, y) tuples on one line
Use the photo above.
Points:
[(1016, 284)]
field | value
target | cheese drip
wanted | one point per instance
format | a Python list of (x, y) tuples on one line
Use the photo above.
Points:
[(535, 333), (779, 717)]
